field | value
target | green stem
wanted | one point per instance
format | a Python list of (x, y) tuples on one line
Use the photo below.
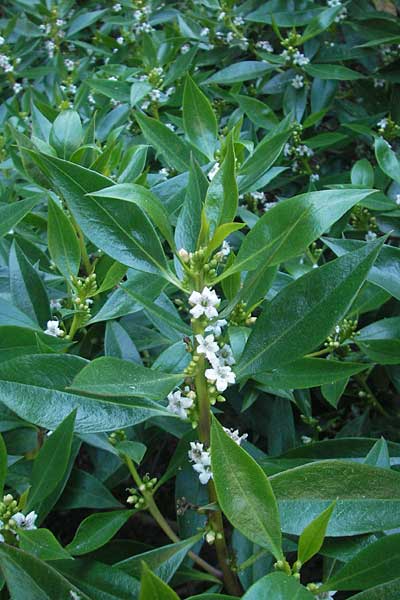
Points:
[(373, 399), (319, 353), (161, 521), (74, 327), (252, 559)]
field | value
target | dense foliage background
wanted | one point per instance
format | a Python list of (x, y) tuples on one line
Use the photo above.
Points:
[(246, 153)]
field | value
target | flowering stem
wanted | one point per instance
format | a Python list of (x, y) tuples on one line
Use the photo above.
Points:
[(215, 518), (161, 521)]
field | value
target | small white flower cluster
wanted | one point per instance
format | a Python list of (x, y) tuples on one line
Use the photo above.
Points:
[(50, 47), (379, 83), (397, 199), (204, 32), (5, 63), (314, 177), (164, 172), (2, 40), (117, 7), (383, 123), (370, 236), (120, 40), (74, 596), (235, 435), (301, 150), (204, 303), (18, 87), (201, 461), (297, 82), (19, 521), (69, 64), (224, 252), (179, 404), (53, 328), (238, 21), (55, 304), (185, 48), (264, 45), (295, 58), (140, 16), (343, 13)]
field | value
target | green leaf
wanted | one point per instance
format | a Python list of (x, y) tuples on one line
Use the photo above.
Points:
[(153, 587), (27, 290), (29, 577), (174, 150), (109, 376), (86, 491), (51, 462), (83, 20), (240, 71), (381, 341), (117, 90), (244, 492), (332, 72), (145, 200), (189, 220), (321, 22), (135, 450), (368, 498), (164, 561), (63, 242), (42, 543), (305, 312), (277, 586), (289, 227), (385, 273), (199, 120), (96, 530), (362, 173), (374, 565), (11, 214), (312, 537), (47, 408), (309, 372), (119, 228), (379, 456), (222, 195), (387, 159), (3, 464), (66, 133), (386, 591)]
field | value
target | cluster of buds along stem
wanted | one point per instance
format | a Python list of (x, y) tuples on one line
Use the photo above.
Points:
[(137, 496), (117, 436), (291, 54), (12, 519), (210, 535), (344, 331), (301, 155), (362, 220), (84, 289), (240, 316)]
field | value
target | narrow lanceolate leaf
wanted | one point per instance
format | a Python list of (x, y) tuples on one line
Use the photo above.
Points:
[(3, 464), (63, 242), (305, 312), (381, 341), (11, 214), (51, 462), (29, 577), (153, 587), (312, 537), (109, 376), (119, 228), (289, 227), (43, 544), (27, 289), (96, 530), (376, 564), (174, 150), (244, 492), (145, 200), (199, 119), (387, 159)]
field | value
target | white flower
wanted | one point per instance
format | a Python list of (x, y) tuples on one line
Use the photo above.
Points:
[(117, 7), (72, 88), (265, 45), (297, 82), (204, 303), (120, 40), (379, 83), (299, 59), (53, 328), (212, 173), (303, 150), (230, 37), (5, 63), (74, 596), (201, 460), (238, 21), (314, 177), (2, 40), (257, 195), (221, 375), (178, 404), (69, 64), (370, 236), (333, 3), (17, 87), (155, 95), (55, 304), (383, 123), (207, 345), (25, 521), (164, 172), (397, 200), (325, 595), (221, 16), (91, 99), (60, 22), (216, 328), (204, 32), (185, 48), (2, 540), (225, 249), (170, 126), (306, 439), (235, 435), (50, 46), (171, 90), (225, 355)]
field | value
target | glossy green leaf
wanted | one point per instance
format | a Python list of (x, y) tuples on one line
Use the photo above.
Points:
[(332, 72), (289, 227), (96, 530), (387, 159), (386, 591), (174, 150), (240, 71), (3, 464), (379, 456), (153, 587), (374, 565), (312, 537), (51, 462), (381, 341), (43, 544), (11, 214), (305, 312), (362, 173), (86, 491), (145, 200), (199, 119), (121, 229), (189, 220), (368, 498), (27, 289), (66, 133), (279, 587), (108, 376), (63, 242), (244, 492), (135, 450)]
